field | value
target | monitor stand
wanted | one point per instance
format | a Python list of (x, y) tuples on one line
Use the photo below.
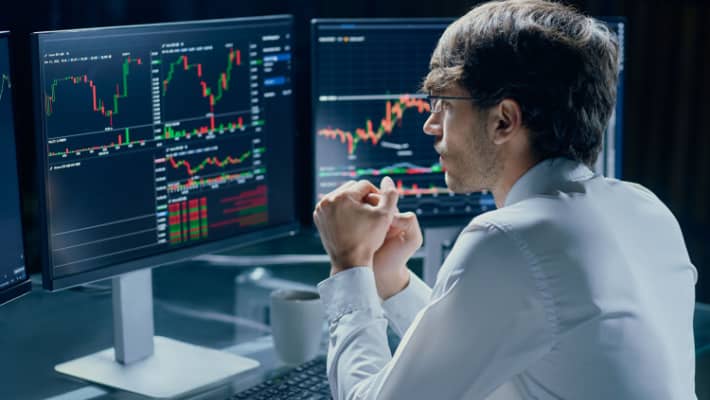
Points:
[(150, 365), (437, 243)]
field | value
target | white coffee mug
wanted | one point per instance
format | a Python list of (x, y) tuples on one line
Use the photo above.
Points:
[(296, 324)]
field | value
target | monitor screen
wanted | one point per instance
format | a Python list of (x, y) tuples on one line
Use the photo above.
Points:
[(13, 277), (368, 114), (161, 138), (609, 161)]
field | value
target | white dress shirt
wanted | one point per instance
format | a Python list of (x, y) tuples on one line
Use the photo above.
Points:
[(580, 287)]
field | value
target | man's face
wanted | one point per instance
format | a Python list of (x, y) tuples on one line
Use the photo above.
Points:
[(462, 141)]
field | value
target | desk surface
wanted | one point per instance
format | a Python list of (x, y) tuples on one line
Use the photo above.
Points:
[(195, 302)]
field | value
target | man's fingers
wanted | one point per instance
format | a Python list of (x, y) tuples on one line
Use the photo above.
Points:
[(373, 199), (345, 186), (330, 197), (361, 189), (387, 183), (388, 193)]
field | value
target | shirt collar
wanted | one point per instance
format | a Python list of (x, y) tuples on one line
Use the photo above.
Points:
[(546, 177)]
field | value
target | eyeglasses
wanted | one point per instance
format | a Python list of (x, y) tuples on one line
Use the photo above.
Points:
[(435, 101)]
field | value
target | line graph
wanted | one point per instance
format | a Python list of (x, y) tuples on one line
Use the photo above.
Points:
[(403, 168), (446, 203), (184, 129), (199, 168), (394, 113), (216, 181), (216, 161), (414, 189)]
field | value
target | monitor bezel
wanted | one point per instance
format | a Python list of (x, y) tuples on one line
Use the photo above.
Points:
[(52, 282), (15, 291), (24, 286)]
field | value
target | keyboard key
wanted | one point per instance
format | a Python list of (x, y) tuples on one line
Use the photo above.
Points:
[(315, 397), (308, 381)]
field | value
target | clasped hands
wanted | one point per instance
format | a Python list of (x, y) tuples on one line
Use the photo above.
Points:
[(360, 226)]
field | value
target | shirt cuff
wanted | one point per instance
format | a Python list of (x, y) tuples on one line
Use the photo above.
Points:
[(402, 308), (350, 291)]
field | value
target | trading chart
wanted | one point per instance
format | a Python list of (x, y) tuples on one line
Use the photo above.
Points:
[(190, 122), (369, 113)]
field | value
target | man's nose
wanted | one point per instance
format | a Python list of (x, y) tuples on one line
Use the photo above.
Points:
[(432, 126)]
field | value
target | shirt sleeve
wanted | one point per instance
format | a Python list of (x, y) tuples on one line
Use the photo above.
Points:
[(488, 319), (401, 308)]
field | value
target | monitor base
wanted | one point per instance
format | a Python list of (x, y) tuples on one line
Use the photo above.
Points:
[(174, 369)]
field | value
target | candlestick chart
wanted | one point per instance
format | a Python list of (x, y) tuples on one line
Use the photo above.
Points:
[(157, 139), (369, 114)]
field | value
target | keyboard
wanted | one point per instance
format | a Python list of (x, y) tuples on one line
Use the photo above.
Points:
[(308, 381)]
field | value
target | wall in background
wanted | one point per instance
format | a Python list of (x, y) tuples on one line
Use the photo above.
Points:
[(667, 140)]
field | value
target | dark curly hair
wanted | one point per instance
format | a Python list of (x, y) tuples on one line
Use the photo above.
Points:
[(560, 66)]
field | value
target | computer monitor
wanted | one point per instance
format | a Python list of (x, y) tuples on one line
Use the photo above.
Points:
[(158, 143), (609, 162), (14, 281), (368, 114)]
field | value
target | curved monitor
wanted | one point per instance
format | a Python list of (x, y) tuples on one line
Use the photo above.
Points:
[(160, 142), (14, 280)]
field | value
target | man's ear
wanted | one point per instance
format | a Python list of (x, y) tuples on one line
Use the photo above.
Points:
[(505, 120)]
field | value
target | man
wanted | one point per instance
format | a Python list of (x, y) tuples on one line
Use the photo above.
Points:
[(576, 287)]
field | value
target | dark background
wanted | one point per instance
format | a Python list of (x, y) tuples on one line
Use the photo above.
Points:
[(666, 145)]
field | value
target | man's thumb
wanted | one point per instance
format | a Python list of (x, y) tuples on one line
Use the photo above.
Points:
[(389, 193), (403, 220)]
